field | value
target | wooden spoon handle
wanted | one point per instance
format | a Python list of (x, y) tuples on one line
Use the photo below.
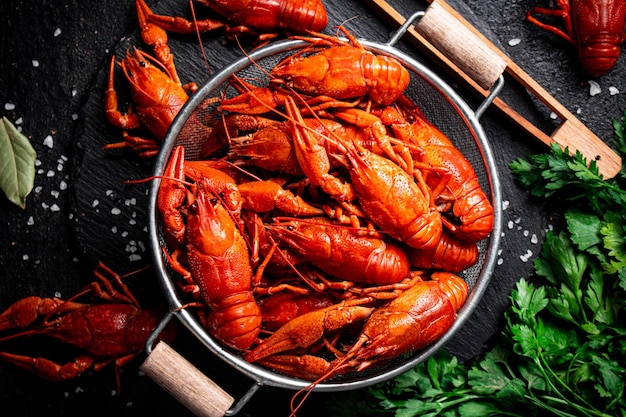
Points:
[(571, 133)]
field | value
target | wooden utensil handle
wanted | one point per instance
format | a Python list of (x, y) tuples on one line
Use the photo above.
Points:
[(185, 382), (572, 133), (461, 45)]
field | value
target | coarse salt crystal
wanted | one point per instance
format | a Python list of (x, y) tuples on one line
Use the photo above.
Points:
[(553, 116), (124, 233), (37, 162), (35, 63), (57, 32), (74, 116), (38, 189), (505, 204), (526, 233), (115, 211), (54, 193), (48, 141), (54, 207), (9, 106), (594, 88), (132, 222), (613, 90), (62, 185), (40, 171), (510, 224), (50, 173), (534, 239), (114, 229), (19, 121), (25, 257), (134, 257), (109, 193), (30, 221), (526, 256), (95, 203), (45, 206), (514, 41), (500, 261)]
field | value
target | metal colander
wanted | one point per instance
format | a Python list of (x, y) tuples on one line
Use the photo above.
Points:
[(442, 107)]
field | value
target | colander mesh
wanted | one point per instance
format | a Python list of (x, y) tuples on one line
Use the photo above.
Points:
[(190, 130)]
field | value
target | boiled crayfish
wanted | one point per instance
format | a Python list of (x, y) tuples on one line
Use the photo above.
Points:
[(596, 27), (156, 91), (113, 330), (260, 18), (323, 235)]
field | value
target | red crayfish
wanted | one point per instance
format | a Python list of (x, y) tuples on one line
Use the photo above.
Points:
[(311, 223), (596, 27), (155, 87), (115, 330), (260, 18)]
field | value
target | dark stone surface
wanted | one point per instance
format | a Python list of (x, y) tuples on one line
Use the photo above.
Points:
[(55, 81)]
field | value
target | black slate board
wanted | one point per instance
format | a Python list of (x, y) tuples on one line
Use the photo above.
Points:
[(62, 97)]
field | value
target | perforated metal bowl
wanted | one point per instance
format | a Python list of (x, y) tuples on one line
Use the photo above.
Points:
[(442, 107)]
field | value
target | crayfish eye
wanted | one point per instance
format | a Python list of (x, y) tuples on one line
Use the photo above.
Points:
[(290, 228), (143, 64), (214, 200)]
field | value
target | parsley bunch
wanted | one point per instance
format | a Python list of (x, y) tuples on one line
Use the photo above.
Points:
[(562, 351)]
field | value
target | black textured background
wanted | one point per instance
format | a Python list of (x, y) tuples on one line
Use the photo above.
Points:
[(53, 59)]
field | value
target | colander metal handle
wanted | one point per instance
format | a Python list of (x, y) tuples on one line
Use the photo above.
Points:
[(439, 27), (460, 45), (185, 382)]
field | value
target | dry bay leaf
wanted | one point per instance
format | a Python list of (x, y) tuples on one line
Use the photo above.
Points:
[(17, 163)]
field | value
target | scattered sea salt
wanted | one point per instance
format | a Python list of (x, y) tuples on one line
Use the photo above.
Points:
[(74, 116), (62, 185), (553, 116), (19, 121), (526, 256), (134, 257), (35, 63), (30, 221), (114, 229), (594, 88), (613, 90), (534, 239), (57, 32), (25, 257), (45, 206), (54, 193), (37, 162), (40, 171), (514, 41), (132, 222), (526, 233), (95, 203), (115, 211), (9, 106), (505, 204), (510, 224), (50, 173), (38, 189), (124, 233), (48, 141), (500, 261), (54, 207)]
